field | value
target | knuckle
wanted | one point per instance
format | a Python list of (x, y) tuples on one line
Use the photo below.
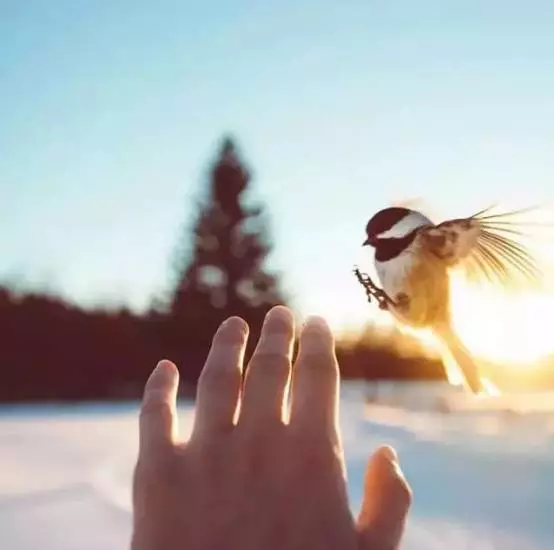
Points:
[(314, 454), (281, 330), (145, 470), (216, 377), (275, 341), (211, 460), (265, 433), (321, 361), (259, 454), (228, 340), (272, 362), (148, 488), (406, 493), (154, 403), (152, 473)]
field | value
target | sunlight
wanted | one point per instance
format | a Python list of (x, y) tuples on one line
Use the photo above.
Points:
[(490, 388), (345, 317), (493, 325), (346, 310), (502, 327), (453, 373)]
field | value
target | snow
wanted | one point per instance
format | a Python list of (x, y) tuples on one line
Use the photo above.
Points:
[(483, 477)]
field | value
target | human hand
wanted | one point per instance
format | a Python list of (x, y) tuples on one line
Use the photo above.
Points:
[(264, 481)]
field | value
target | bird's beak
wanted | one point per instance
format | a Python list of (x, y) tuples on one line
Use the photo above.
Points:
[(367, 242)]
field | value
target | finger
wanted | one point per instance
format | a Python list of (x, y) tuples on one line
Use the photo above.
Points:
[(268, 373), (387, 499), (220, 379), (158, 419), (315, 380)]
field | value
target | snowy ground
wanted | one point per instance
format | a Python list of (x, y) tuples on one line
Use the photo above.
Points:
[(482, 480)]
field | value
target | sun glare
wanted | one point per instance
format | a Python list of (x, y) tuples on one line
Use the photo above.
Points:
[(502, 327), (345, 314), (510, 328), (496, 326)]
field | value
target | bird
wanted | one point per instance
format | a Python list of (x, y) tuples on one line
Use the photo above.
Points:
[(414, 259)]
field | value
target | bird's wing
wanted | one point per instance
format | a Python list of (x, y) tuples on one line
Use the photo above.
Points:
[(490, 248)]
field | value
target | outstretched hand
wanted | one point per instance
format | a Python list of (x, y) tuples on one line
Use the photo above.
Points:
[(254, 475)]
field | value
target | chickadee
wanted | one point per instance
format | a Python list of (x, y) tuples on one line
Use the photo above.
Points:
[(414, 258)]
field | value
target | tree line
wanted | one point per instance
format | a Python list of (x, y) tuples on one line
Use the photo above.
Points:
[(51, 349)]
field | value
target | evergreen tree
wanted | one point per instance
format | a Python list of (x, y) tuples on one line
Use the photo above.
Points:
[(225, 271)]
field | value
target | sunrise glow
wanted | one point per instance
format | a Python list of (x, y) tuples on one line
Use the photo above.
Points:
[(501, 327), (494, 325)]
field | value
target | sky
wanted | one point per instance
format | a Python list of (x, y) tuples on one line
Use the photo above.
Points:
[(112, 111)]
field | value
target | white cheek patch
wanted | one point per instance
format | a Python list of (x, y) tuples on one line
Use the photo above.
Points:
[(406, 225)]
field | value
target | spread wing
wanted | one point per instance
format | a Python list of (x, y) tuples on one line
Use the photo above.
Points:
[(491, 248)]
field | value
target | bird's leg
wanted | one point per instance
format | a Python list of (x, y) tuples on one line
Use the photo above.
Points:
[(373, 291), (402, 301)]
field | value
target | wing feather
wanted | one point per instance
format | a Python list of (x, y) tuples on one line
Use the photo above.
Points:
[(498, 254)]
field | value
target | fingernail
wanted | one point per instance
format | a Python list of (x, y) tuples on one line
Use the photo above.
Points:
[(164, 373), (281, 320), (239, 322), (316, 337), (317, 322), (231, 334), (238, 328), (278, 312), (165, 366), (389, 453), (277, 331)]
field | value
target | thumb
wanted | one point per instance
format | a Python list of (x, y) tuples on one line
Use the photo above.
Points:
[(387, 499)]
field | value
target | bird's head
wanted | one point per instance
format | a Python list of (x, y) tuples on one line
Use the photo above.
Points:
[(393, 223)]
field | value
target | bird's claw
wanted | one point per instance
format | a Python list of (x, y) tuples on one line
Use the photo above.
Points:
[(402, 301), (373, 291)]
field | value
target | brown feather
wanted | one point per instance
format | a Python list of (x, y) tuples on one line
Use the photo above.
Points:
[(498, 256)]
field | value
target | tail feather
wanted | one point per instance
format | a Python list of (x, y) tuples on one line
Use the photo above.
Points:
[(461, 356)]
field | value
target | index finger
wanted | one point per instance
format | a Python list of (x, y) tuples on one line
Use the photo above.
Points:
[(315, 383)]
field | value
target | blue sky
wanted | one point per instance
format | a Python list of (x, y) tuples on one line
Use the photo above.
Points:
[(111, 111)]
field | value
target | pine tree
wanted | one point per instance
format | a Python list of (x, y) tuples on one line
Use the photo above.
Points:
[(225, 273)]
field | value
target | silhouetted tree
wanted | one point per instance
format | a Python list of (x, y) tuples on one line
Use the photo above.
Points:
[(226, 271), (51, 349)]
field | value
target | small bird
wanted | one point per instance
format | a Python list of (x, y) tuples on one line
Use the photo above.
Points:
[(414, 259)]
